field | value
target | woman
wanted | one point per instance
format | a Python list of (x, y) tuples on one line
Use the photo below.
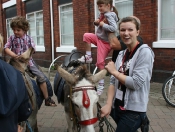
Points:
[(130, 81)]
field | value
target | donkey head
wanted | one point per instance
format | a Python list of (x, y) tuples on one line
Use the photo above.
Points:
[(21, 62), (84, 96)]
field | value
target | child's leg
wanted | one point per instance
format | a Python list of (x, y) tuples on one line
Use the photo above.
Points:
[(43, 86), (102, 52), (88, 38)]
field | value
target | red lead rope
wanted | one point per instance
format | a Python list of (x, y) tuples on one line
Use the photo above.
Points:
[(89, 122)]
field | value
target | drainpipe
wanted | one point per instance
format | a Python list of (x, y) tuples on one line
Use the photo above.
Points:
[(52, 35)]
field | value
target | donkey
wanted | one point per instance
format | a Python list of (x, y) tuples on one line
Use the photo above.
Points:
[(80, 97), (21, 65)]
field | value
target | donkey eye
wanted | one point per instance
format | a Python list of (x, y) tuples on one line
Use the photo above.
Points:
[(76, 105)]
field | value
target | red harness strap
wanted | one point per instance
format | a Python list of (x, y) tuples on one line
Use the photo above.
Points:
[(89, 122), (86, 100)]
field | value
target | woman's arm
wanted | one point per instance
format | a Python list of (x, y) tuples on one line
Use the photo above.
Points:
[(106, 109), (114, 42)]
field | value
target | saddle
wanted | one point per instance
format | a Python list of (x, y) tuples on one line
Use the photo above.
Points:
[(70, 61)]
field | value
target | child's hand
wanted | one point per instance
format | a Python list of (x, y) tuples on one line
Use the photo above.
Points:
[(96, 22), (101, 23), (105, 21), (15, 56)]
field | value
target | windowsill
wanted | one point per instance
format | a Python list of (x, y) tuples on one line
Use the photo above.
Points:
[(8, 4), (65, 49), (40, 49), (93, 46), (164, 44)]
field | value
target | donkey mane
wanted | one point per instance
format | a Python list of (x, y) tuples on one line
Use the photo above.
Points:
[(82, 72), (16, 64)]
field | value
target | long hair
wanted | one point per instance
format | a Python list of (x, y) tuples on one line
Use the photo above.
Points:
[(111, 4)]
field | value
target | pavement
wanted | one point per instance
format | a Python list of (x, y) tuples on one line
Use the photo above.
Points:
[(160, 114)]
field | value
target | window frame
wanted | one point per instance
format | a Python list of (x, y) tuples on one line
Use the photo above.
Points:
[(39, 48), (160, 43), (8, 24), (64, 48)]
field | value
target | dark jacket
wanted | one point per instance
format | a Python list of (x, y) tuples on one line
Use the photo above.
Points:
[(123, 47), (14, 103)]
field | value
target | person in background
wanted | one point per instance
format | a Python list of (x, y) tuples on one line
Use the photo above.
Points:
[(130, 79), (107, 22), (18, 44), (14, 101)]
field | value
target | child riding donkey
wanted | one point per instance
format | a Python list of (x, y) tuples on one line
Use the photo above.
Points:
[(18, 44)]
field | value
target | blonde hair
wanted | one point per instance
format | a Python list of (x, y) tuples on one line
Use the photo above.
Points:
[(1, 41), (1, 44)]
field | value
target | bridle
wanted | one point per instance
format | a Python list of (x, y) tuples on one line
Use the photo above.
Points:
[(86, 103)]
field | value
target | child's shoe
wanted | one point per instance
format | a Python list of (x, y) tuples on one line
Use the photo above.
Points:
[(100, 88), (49, 102), (87, 58)]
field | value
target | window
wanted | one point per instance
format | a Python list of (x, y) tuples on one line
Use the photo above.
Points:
[(166, 24), (66, 25), (9, 30), (66, 28), (124, 8), (36, 27)]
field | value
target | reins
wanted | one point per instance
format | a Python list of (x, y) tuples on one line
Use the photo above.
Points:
[(110, 128)]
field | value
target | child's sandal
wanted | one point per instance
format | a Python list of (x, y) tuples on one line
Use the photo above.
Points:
[(49, 102)]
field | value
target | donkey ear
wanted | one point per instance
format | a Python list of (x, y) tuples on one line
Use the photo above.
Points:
[(66, 75), (28, 53), (98, 76)]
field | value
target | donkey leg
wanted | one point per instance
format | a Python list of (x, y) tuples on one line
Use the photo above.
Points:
[(69, 123)]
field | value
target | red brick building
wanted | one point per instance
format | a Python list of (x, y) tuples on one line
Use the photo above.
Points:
[(57, 27)]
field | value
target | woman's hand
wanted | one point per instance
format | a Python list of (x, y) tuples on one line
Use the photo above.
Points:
[(111, 67), (105, 110)]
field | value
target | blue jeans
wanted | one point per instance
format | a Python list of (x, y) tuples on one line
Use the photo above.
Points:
[(127, 121)]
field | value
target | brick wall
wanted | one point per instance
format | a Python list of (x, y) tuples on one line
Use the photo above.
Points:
[(163, 64), (83, 14)]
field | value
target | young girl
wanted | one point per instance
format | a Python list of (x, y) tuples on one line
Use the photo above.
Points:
[(106, 23), (18, 44)]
